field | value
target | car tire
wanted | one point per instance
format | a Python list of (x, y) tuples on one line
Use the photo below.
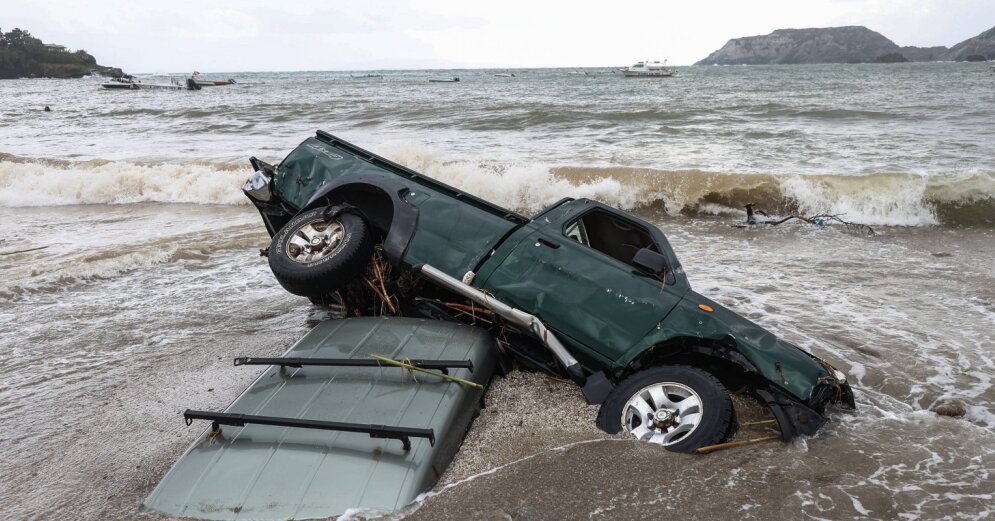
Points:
[(314, 255), (679, 407)]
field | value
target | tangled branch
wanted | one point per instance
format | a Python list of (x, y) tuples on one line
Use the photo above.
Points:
[(817, 220)]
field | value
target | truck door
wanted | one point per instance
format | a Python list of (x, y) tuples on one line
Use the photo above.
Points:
[(576, 274)]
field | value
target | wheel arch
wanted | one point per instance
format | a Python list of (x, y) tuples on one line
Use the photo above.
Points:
[(729, 366), (381, 202)]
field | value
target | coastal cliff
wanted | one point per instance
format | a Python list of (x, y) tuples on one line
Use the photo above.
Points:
[(22, 55)]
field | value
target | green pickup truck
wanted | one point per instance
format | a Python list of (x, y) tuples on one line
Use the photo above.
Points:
[(581, 290)]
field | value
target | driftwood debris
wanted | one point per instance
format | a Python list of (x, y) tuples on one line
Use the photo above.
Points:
[(376, 277), (23, 251), (412, 368), (752, 219), (738, 443)]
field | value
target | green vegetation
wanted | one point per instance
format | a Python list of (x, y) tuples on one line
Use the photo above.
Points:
[(22, 55)]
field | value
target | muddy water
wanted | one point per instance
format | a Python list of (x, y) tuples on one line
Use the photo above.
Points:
[(908, 314), (108, 335), (142, 280)]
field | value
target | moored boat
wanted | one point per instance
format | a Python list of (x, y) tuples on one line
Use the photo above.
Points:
[(190, 84), (119, 84), (203, 82), (214, 83), (454, 79), (654, 69)]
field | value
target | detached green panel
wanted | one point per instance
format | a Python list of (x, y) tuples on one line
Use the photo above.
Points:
[(267, 472)]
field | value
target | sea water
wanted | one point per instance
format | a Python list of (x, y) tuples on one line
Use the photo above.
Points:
[(139, 274)]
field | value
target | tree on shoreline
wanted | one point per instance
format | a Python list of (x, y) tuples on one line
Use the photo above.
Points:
[(23, 55)]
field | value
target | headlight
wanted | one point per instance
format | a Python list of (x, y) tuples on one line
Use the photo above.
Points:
[(258, 187)]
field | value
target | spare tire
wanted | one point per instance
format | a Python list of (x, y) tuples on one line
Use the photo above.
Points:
[(316, 254)]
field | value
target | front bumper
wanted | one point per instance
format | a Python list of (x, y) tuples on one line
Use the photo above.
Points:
[(795, 418)]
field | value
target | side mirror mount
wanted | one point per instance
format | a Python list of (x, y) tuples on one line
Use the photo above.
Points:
[(650, 262)]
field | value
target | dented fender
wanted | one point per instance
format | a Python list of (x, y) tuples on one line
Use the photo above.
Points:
[(785, 366)]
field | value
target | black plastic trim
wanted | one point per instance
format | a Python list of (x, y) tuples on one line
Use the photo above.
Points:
[(404, 434), (439, 365)]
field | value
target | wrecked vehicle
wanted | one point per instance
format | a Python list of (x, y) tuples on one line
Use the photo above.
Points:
[(581, 290)]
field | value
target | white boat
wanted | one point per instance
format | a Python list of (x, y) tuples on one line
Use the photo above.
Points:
[(454, 79), (138, 85), (120, 84), (655, 69), (504, 75)]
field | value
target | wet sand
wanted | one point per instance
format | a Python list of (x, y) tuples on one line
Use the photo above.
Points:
[(102, 463), (106, 345)]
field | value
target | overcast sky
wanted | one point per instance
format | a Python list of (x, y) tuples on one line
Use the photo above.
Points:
[(256, 35)]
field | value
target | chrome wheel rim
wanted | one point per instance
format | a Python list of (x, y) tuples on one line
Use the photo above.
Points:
[(662, 413), (315, 240)]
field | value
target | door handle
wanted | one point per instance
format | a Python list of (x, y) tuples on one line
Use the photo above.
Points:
[(545, 242)]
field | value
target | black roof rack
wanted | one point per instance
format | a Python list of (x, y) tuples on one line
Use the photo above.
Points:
[(440, 365), (404, 434)]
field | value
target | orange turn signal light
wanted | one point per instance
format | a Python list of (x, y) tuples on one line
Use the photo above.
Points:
[(705, 307)]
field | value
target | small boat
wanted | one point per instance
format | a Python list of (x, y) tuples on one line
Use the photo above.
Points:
[(504, 75), (365, 76), (119, 84), (162, 86), (654, 69), (454, 79), (209, 83), (214, 83)]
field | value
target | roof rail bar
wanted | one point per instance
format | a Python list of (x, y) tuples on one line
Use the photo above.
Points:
[(440, 365), (404, 434)]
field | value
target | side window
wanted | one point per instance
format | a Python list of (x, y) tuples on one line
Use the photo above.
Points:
[(578, 232), (615, 237)]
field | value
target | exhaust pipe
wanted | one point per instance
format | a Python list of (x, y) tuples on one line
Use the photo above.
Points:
[(514, 316)]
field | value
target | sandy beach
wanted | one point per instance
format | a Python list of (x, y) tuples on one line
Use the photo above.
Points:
[(140, 278)]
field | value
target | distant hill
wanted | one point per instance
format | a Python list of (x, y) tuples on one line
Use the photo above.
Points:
[(22, 55), (924, 54), (851, 44), (982, 45)]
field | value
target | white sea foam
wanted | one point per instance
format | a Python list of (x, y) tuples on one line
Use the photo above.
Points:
[(53, 184), (878, 199)]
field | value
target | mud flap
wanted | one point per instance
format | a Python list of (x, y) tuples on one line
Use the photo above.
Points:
[(596, 388), (792, 417)]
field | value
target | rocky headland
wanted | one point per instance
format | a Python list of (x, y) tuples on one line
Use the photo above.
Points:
[(850, 44), (979, 48), (24, 56)]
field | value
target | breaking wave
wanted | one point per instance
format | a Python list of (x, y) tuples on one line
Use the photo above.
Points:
[(25, 182), (876, 199), (887, 199)]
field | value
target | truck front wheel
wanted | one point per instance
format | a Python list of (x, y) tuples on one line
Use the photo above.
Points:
[(679, 407), (315, 255)]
